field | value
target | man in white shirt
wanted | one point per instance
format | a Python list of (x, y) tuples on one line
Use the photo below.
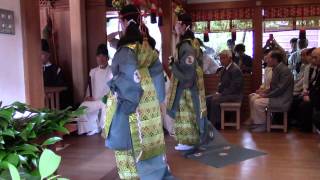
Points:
[(93, 121)]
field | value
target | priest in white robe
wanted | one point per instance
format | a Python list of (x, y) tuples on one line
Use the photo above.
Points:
[(93, 121)]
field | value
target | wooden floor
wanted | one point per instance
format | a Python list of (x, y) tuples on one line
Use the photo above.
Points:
[(291, 156)]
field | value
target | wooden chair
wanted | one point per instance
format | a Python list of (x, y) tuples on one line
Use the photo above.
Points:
[(270, 126), (52, 97), (231, 107), (52, 101)]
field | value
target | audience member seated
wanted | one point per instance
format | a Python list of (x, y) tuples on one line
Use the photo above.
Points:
[(298, 87), (294, 46), (278, 97), (52, 74), (94, 119), (311, 98), (230, 87), (230, 44), (265, 86), (294, 61), (244, 61), (310, 70)]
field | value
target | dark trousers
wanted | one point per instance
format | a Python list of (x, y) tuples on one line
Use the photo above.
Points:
[(305, 116), (294, 111)]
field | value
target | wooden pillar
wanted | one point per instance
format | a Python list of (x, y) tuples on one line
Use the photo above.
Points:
[(30, 16), (166, 32), (96, 28), (78, 48), (257, 53)]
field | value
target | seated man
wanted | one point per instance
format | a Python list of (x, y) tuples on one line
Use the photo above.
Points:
[(279, 96), (298, 88), (94, 120), (311, 98), (310, 70), (314, 91), (265, 86), (244, 61), (52, 74), (230, 86)]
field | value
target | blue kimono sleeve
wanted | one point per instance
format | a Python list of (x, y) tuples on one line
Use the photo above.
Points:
[(156, 73), (123, 83), (185, 69)]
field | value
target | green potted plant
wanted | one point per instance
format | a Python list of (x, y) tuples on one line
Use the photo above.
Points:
[(26, 135)]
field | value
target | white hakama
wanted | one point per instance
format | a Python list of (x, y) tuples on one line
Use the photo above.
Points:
[(94, 119)]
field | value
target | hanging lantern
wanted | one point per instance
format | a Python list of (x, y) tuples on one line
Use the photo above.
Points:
[(136, 2), (206, 35), (302, 34), (153, 14), (160, 20)]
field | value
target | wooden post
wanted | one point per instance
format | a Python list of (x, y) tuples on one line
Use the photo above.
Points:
[(96, 28), (166, 32), (78, 48), (30, 16), (257, 53)]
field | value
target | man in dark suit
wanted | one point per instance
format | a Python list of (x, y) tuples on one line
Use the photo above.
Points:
[(230, 86), (280, 94)]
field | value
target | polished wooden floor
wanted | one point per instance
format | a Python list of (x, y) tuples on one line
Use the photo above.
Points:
[(291, 156)]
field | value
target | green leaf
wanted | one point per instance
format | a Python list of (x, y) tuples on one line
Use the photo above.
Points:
[(49, 163), (2, 155), (28, 153), (3, 123), (14, 172), (3, 165), (27, 147), (7, 114), (8, 132), (63, 179), (53, 177), (37, 119), (25, 134), (13, 159), (1, 140), (19, 106), (51, 141), (61, 129), (32, 135), (34, 162), (80, 111)]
